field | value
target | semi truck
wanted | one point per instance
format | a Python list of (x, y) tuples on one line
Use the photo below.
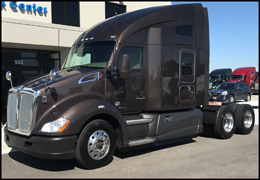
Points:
[(255, 88), (217, 76), (246, 74), (135, 79)]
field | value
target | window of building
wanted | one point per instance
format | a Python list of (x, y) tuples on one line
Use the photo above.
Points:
[(65, 13), (135, 56), (185, 30), (112, 9)]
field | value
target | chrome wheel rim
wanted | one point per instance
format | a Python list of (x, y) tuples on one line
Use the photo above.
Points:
[(228, 122), (248, 97), (98, 144), (248, 119)]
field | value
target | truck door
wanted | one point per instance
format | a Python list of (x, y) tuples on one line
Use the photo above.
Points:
[(187, 76), (129, 94)]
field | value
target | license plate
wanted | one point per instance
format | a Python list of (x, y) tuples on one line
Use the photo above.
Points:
[(214, 97)]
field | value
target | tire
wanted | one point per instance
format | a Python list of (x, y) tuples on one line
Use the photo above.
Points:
[(231, 98), (245, 118), (248, 97), (234, 106), (96, 145), (225, 123)]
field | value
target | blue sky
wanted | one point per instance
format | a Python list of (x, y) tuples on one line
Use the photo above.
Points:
[(233, 33)]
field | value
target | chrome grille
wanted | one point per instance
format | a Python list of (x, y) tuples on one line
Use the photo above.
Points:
[(21, 117), (25, 112), (11, 111), (215, 94)]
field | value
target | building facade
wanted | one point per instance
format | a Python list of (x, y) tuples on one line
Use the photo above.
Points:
[(36, 34)]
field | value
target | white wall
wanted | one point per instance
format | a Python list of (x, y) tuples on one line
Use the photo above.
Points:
[(91, 13), (132, 6), (17, 13), (38, 33)]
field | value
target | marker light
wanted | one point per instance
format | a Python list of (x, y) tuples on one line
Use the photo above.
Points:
[(55, 126)]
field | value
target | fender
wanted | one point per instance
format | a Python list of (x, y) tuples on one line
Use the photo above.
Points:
[(81, 113)]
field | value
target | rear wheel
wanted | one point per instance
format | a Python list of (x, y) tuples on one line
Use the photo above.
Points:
[(225, 123), (95, 145), (245, 119)]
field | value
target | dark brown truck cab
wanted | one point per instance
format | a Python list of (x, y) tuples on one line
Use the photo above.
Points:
[(134, 79)]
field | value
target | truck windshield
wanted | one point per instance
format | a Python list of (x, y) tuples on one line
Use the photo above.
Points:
[(225, 86), (94, 54), (240, 77), (214, 77)]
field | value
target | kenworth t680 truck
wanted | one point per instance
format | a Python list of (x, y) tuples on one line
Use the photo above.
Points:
[(134, 79)]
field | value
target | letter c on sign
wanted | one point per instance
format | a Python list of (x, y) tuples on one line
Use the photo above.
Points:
[(11, 4)]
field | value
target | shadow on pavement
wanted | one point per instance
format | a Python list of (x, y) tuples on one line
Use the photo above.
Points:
[(42, 164), (64, 165), (143, 149)]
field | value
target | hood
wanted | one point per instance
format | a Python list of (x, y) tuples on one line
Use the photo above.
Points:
[(63, 74), (219, 90)]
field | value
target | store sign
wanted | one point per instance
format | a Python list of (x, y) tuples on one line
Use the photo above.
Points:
[(28, 7)]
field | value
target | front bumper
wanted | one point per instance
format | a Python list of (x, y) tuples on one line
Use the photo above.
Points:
[(42, 147)]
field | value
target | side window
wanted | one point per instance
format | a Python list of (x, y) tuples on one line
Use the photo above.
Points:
[(135, 56), (187, 64), (185, 30)]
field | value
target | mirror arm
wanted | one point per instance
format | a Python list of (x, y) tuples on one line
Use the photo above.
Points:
[(44, 97), (52, 76)]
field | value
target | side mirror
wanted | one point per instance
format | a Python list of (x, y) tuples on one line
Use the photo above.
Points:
[(124, 66), (57, 65), (8, 76), (52, 75)]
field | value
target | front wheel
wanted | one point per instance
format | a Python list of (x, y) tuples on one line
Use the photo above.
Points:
[(95, 145), (231, 98), (248, 97)]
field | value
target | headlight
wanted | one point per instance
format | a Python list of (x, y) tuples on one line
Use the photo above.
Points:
[(55, 126), (224, 93)]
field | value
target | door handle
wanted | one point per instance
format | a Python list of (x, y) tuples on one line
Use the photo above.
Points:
[(140, 97)]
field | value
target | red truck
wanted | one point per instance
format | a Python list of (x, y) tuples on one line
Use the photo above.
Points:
[(246, 74), (255, 88)]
